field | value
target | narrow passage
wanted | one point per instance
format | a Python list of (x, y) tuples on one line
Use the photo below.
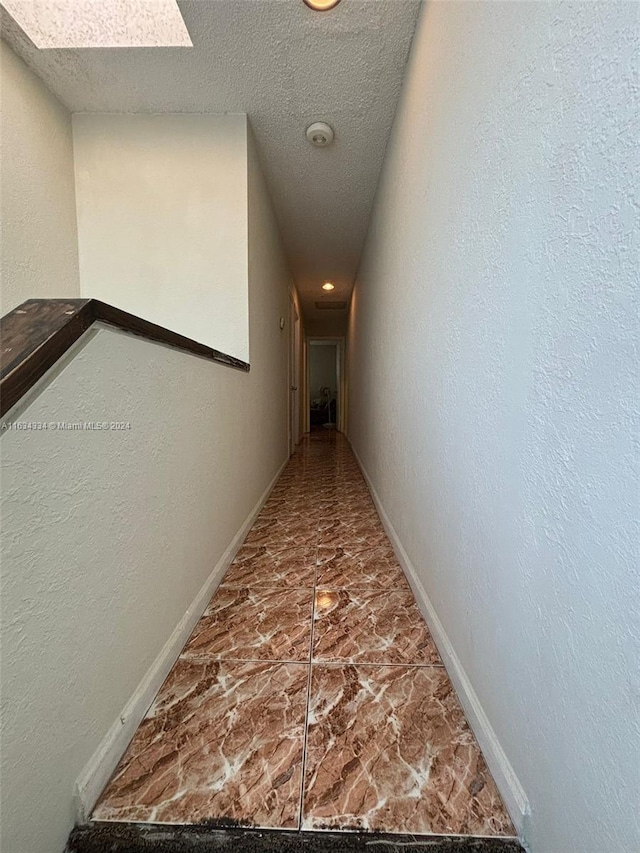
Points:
[(310, 694)]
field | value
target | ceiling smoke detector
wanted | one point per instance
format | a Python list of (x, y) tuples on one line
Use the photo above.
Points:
[(320, 134)]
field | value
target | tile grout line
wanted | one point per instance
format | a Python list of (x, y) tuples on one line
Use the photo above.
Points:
[(205, 659), (309, 674), (307, 663), (377, 664)]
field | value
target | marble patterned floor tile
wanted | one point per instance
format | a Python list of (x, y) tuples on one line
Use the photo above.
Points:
[(291, 495), (222, 741), (349, 488), (278, 504), (333, 508), (371, 626), (354, 568), (270, 566), (365, 533), (352, 515), (335, 498), (389, 750), (243, 623), (303, 516), (346, 488), (273, 531), (296, 503)]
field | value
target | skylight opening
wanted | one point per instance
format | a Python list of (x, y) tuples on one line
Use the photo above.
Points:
[(59, 24)]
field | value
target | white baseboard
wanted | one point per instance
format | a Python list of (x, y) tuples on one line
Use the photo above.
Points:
[(98, 770), (505, 778)]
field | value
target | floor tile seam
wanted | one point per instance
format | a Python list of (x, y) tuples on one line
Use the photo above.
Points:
[(299, 816), (359, 589), (352, 517), (283, 517), (263, 589), (363, 588), (210, 658), (273, 543), (308, 705), (221, 827), (334, 491), (415, 836), (344, 545), (273, 588), (364, 550), (289, 521), (316, 662), (327, 530)]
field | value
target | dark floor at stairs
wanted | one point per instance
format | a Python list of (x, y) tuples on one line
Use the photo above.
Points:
[(147, 838)]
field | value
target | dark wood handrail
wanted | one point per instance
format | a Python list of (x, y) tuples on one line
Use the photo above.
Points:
[(37, 333)]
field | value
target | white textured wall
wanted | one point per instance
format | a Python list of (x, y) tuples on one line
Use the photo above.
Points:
[(37, 200), (494, 384), (269, 283), (108, 536), (162, 221)]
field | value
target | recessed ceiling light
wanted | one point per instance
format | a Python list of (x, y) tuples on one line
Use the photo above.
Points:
[(321, 5), (328, 286), (100, 23)]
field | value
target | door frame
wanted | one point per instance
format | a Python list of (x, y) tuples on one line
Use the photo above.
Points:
[(341, 378), (295, 375)]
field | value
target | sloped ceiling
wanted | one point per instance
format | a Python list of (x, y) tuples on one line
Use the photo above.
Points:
[(285, 66)]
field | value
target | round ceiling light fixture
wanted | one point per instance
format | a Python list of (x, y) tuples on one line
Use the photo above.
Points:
[(321, 5), (328, 286), (320, 134)]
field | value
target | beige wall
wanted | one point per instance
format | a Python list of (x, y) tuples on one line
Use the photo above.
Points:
[(269, 284), (333, 326), (162, 221), (37, 201), (494, 391), (268, 270), (110, 538)]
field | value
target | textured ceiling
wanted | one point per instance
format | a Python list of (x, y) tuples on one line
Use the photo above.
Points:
[(285, 66), (87, 23)]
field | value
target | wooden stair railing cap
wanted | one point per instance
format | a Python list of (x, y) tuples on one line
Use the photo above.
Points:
[(37, 333)]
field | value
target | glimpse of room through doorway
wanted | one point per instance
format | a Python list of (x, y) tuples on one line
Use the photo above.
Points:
[(324, 384)]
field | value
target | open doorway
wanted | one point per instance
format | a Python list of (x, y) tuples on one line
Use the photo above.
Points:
[(325, 383)]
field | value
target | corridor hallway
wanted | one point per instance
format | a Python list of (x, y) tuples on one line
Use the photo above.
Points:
[(310, 694)]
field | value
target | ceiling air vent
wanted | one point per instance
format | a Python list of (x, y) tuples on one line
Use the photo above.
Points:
[(331, 306)]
